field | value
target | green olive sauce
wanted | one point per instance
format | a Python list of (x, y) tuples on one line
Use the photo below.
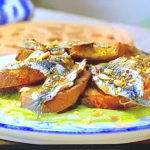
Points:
[(10, 105)]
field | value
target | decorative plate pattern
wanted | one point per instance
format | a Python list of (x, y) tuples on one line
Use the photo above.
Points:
[(95, 128)]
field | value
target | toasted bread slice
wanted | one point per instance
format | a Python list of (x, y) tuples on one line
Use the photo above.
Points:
[(101, 52), (63, 99), (10, 78), (94, 97), (23, 54)]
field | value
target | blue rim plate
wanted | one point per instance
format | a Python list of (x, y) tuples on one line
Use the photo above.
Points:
[(95, 128), (47, 128)]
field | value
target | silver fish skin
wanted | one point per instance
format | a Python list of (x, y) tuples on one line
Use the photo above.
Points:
[(53, 85), (33, 44), (45, 66), (132, 91)]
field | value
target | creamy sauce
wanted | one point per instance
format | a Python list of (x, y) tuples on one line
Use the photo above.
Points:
[(79, 115)]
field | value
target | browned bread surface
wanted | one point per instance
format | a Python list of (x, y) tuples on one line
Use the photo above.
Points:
[(103, 54), (16, 77), (95, 97)]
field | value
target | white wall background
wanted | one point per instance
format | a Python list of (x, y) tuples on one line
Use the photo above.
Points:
[(134, 12)]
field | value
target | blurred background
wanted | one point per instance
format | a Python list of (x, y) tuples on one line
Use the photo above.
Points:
[(134, 12)]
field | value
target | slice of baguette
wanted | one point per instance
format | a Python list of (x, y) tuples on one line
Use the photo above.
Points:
[(10, 78), (92, 53), (94, 97), (63, 99), (101, 53)]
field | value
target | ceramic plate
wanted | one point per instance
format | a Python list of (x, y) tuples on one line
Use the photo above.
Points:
[(37, 132)]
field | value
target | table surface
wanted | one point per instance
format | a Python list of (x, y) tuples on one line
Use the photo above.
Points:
[(140, 35)]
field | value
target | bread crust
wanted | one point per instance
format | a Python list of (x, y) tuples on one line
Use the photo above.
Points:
[(94, 97), (16, 77), (101, 53)]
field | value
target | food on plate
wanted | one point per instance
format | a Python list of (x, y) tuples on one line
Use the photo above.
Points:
[(47, 31), (56, 81), (63, 99), (122, 81), (96, 98), (92, 52), (61, 73), (31, 45), (50, 78), (19, 76), (99, 52)]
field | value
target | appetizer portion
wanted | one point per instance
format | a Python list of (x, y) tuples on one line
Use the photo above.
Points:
[(99, 52), (31, 45), (96, 98), (92, 52), (62, 100), (57, 73), (54, 83), (120, 83), (19, 76), (51, 78)]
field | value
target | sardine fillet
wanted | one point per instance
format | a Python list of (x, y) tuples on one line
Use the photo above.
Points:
[(63, 99), (10, 78), (95, 97)]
